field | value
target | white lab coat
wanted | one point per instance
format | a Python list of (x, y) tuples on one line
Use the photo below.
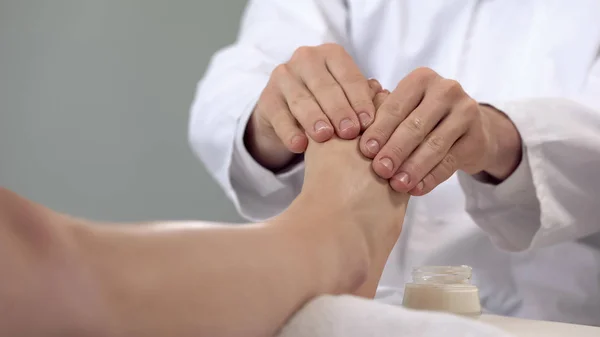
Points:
[(536, 60)]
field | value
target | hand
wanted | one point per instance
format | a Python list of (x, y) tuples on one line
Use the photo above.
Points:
[(428, 128), (319, 91)]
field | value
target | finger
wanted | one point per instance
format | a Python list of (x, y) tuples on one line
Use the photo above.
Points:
[(429, 153), (310, 67), (380, 98), (442, 171), (375, 87), (303, 105), (285, 125), (409, 135), (354, 84), (399, 104), (380, 95), (331, 99)]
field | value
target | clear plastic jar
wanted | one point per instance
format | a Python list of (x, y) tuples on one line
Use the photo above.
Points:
[(443, 288)]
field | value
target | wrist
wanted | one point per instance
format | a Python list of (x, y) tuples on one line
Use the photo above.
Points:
[(265, 146), (506, 152)]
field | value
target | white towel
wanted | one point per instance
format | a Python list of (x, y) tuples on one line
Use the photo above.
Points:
[(348, 316)]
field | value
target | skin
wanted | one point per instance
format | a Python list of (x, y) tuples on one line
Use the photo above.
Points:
[(63, 276), (319, 92), (427, 129)]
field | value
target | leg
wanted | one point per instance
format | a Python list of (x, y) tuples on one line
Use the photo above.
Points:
[(72, 277)]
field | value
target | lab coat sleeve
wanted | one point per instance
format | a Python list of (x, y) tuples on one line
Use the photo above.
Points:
[(271, 30), (554, 194)]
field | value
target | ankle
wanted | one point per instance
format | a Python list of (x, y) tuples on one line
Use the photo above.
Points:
[(337, 247)]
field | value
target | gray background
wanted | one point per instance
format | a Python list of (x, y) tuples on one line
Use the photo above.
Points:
[(94, 100)]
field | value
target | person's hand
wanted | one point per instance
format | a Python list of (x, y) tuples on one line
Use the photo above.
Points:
[(428, 128), (319, 92)]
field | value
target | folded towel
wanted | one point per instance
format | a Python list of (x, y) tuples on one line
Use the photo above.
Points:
[(349, 316)]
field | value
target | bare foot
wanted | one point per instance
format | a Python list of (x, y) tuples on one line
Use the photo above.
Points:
[(338, 173), (349, 205), (365, 214)]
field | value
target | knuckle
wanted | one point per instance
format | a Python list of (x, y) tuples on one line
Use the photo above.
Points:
[(416, 126), (378, 133), (353, 79), (280, 71), (412, 168), (323, 84), (304, 54), (424, 72), (471, 109), (449, 163), (307, 118), (357, 82), (444, 170), (433, 178), (361, 104), (392, 108), (436, 144), (430, 181), (300, 100), (450, 88), (397, 151), (333, 47), (340, 111)]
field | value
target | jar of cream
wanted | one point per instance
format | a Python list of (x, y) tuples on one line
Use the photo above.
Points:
[(443, 288)]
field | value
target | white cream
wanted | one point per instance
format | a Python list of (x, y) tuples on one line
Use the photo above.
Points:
[(443, 288)]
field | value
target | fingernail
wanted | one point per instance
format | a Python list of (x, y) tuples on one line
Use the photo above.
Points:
[(420, 186), (374, 83), (296, 139), (346, 124), (364, 119), (372, 146), (321, 126), (387, 162), (403, 178)]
